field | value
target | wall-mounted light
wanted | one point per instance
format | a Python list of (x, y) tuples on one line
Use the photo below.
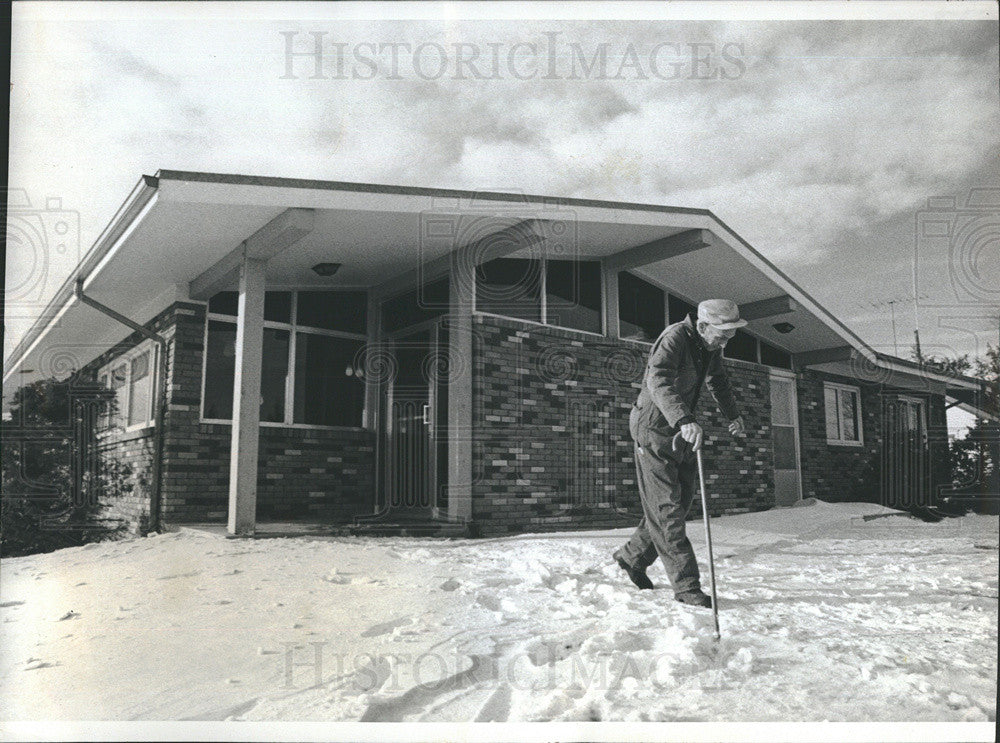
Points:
[(783, 327), (326, 269)]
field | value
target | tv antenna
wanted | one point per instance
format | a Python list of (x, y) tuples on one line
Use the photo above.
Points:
[(892, 314)]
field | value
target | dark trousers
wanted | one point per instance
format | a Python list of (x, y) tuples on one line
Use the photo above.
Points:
[(666, 490)]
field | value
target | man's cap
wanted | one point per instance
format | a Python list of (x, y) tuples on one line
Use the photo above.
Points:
[(720, 313)]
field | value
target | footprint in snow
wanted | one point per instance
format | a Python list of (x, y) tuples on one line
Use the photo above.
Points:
[(9, 604), (450, 585), (68, 615), (384, 628), (33, 664)]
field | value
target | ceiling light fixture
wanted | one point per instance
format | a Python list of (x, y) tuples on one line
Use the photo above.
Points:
[(326, 269), (783, 327)]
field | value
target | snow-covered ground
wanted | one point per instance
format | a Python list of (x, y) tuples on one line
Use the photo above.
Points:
[(824, 615)]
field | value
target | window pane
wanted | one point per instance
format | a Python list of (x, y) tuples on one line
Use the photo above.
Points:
[(274, 371), (331, 310), (679, 309), (117, 413), (415, 306), (773, 356), (511, 287), (784, 448), (741, 346), (224, 303), (278, 306), (781, 402), (220, 367), (573, 294), (328, 389), (641, 308), (141, 390), (848, 415), (832, 414)]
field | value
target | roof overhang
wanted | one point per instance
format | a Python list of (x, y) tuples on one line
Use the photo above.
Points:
[(892, 372), (178, 227)]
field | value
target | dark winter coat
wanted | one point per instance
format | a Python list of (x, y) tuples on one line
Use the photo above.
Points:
[(678, 365)]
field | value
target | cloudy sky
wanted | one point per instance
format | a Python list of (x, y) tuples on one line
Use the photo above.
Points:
[(820, 142)]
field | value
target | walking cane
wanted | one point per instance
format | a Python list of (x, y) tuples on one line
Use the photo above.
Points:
[(708, 539)]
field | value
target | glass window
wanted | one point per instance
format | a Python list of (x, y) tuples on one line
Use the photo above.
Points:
[(848, 416), (641, 310), (843, 414), (573, 294), (415, 306), (273, 375), (679, 309), (781, 402), (116, 415), (220, 367), (742, 346), (278, 306), (104, 381), (784, 448), (220, 372), (329, 390), (773, 356), (330, 310), (140, 390), (225, 303), (510, 287), (832, 414)]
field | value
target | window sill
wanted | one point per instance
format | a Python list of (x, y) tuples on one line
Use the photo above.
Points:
[(271, 424), (130, 434), (536, 324), (846, 444)]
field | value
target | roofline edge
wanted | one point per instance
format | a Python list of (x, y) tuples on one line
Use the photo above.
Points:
[(141, 193)]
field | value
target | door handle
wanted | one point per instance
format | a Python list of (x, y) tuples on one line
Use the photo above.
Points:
[(427, 410)]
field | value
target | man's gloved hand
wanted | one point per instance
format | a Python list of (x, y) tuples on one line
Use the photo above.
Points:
[(736, 426), (692, 433)]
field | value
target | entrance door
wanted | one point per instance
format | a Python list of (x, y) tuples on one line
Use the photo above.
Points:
[(905, 460), (412, 451), (785, 432)]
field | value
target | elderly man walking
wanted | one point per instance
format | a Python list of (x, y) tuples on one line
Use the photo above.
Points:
[(686, 355)]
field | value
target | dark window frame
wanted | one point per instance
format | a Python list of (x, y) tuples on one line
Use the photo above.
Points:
[(538, 293), (294, 330)]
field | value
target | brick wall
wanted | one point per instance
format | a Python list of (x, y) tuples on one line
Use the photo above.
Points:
[(831, 472), (131, 505), (552, 450), (318, 475)]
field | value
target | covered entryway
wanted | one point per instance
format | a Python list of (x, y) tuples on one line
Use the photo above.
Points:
[(413, 465)]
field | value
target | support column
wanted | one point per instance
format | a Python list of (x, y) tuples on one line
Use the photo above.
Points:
[(461, 282), (609, 275), (246, 398)]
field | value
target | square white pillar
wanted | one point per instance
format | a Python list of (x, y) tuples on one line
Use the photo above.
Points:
[(246, 399)]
